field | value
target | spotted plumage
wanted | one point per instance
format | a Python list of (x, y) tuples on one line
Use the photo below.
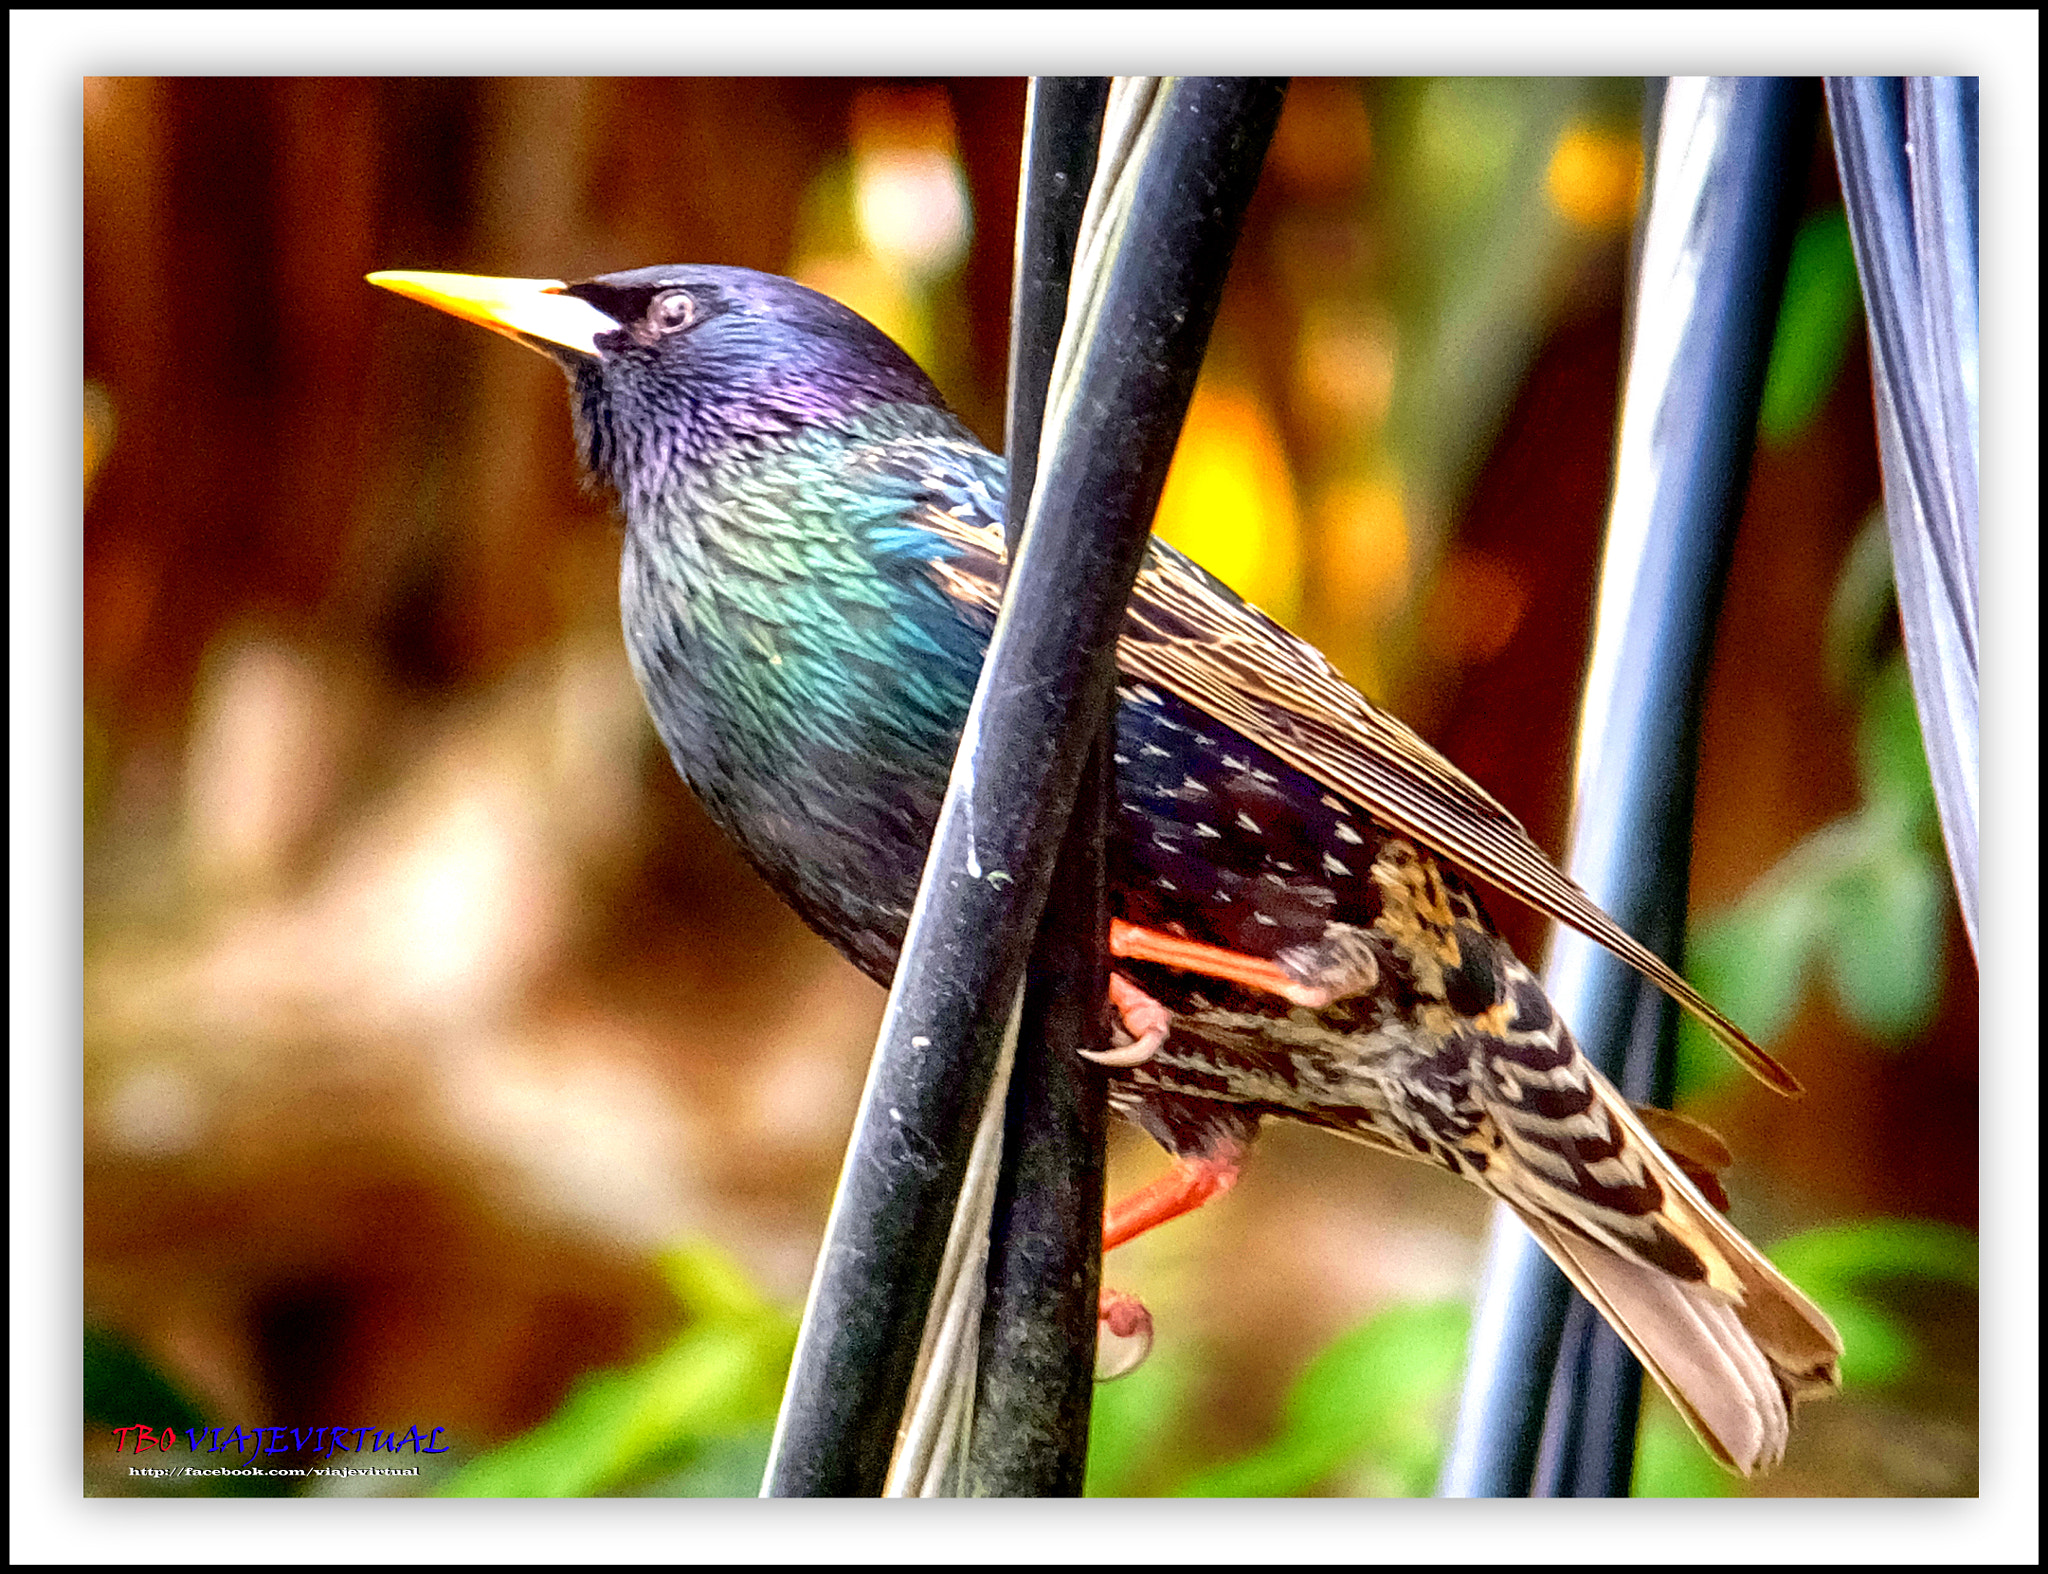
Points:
[(813, 563)]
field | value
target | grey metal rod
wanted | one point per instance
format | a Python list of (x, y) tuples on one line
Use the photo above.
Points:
[(1550, 1409)]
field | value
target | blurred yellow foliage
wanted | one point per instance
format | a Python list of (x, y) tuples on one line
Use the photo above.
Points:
[(865, 284), (1229, 500), (1344, 366), (1323, 145), (1595, 177), (99, 428), (1362, 526)]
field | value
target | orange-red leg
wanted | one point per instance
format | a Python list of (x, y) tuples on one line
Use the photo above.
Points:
[(1184, 1188), (1124, 1337), (1191, 956), (1125, 1334)]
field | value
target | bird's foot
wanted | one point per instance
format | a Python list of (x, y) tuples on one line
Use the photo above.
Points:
[(1144, 1023), (1235, 967), (1344, 962), (1123, 1336)]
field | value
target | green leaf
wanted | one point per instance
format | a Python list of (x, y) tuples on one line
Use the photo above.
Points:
[(1890, 756), (1838, 1265), (1751, 962), (124, 1388), (722, 1467), (1133, 1422), (1885, 945), (1888, 920), (1375, 1404), (1816, 322), (1860, 610), (1671, 1463), (1877, 1348), (710, 1285), (1867, 895), (1838, 1258), (1758, 955)]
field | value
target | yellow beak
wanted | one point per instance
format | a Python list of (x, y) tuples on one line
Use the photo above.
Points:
[(534, 312)]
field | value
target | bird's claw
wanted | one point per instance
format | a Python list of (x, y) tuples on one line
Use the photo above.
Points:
[(1123, 1335), (1135, 1053), (1144, 1021)]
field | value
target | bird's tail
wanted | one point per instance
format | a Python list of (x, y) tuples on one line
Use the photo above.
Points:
[(1736, 1347)]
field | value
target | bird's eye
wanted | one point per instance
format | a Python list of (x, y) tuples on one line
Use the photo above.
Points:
[(671, 310)]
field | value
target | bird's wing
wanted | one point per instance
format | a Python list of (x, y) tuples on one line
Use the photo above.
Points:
[(1191, 634)]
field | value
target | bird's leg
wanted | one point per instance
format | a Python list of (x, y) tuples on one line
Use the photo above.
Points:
[(1190, 1183), (1144, 1019), (1191, 956), (1124, 1336)]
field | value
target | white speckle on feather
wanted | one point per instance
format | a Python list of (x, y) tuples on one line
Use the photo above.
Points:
[(1346, 834)]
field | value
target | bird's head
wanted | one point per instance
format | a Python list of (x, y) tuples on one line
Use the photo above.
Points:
[(672, 367)]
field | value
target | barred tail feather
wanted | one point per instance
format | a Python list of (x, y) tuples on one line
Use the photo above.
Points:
[(1694, 1342), (1735, 1348)]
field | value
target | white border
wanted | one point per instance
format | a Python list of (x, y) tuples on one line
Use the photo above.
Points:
[(51, 51)]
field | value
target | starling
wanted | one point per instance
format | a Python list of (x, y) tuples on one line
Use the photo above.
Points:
[(812, 564)]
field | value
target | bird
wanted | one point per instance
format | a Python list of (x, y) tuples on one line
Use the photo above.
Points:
[(812, 561)]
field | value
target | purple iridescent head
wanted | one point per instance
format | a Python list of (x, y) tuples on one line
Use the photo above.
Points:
[(700, 359)]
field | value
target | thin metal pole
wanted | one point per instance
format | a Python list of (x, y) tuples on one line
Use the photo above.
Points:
[(1550, 1402), (1045, 694)]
